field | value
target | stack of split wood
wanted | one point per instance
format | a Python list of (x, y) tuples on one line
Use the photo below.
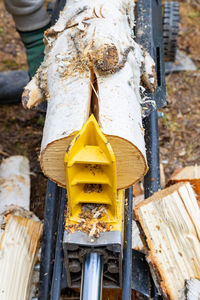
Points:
[(169, 224), (20, 230)]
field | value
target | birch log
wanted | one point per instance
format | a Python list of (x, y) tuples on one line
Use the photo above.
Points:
[(93, 65), (170, 224), (190, 174), (20, 234), (14, 182)]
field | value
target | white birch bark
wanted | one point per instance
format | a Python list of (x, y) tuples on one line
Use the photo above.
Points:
[(20, 231), (91, 50), (14, 183)]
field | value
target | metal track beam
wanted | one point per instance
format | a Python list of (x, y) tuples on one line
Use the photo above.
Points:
[(91, 285)]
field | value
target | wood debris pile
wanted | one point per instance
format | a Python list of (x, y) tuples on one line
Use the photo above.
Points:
[(90, 220)]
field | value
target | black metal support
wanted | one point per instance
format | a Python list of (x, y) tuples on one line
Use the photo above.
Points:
[(51, 216), (54, 210), (127, 259), (152, 179), (149, 34), (140, 279), (59, 255)]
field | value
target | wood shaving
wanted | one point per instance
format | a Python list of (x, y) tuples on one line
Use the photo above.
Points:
[(89, 222)]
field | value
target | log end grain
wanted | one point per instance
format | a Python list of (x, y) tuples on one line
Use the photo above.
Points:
[(130, 162)]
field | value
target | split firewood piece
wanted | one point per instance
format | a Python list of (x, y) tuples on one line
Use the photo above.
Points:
[(20, 230), (14, 186), (192, 289), (18, 249), (93, 65), (137, 243), (191, 174), (14, 182), (170, 224), (162, 177)]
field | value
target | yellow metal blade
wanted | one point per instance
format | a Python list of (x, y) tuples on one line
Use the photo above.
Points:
[(91, 171)]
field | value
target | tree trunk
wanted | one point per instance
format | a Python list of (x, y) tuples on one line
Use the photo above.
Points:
[(92, 65), (14, 183), (170, 224), (20, 235)]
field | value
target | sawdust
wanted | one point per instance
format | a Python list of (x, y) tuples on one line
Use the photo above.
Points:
[(91, 188), (90, 222)]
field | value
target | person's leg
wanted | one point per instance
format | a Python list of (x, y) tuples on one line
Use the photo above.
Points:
[(28, 15), (31, 20)]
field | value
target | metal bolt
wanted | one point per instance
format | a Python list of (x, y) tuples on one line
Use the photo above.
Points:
[(37, 267), (113, 268), (74, 266), (72, 247)]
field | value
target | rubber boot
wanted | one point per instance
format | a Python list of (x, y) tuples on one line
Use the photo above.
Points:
[(12, 84), (33, 42)]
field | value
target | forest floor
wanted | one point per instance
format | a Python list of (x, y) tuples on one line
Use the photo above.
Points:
[(179, 129)]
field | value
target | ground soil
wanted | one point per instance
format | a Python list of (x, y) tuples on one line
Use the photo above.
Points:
[(179, 130)]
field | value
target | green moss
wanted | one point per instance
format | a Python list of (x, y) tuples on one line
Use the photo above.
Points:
[(10, 64), (20, 149), (1, 30), (40, 121)]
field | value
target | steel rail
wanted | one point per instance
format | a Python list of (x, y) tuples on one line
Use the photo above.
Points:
[(51, 216), (92, 277), (127, 259), (59, 255)]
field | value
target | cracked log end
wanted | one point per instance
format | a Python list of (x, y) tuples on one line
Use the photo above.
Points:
[(130, 162), (32, 95)]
